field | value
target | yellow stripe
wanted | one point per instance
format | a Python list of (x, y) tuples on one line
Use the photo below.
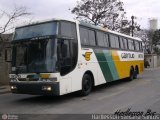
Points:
[(123, 67)]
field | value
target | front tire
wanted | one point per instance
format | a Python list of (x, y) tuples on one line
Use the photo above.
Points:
[(86, 85)]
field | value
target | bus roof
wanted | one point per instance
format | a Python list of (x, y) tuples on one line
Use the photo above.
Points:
[(44, 21), (83, 24)]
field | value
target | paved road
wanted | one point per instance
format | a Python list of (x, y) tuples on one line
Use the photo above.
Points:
[(139, 95)]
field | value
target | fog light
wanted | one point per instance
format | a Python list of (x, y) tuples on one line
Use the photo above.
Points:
[(13, 87), (47, 88)]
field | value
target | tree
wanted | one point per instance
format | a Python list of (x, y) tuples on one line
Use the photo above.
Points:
[(9, 18), (156, 38), (7, 22), (107, 13), (156, 42)]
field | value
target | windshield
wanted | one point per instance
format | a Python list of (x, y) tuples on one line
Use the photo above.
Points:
[(38, 30), (37, 56)]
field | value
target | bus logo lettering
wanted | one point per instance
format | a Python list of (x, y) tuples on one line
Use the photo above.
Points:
[(127, 55)]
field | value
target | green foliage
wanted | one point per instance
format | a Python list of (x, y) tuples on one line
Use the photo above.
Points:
[(156, 50), (156, 38), (107, 13)]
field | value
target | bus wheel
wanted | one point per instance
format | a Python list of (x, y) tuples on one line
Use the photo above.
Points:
[(131, 77), (86, 85)]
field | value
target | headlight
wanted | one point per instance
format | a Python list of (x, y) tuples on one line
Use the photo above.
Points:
[(13, 87), (13, 80), (46, 88)]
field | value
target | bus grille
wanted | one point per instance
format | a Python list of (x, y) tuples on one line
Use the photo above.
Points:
[(28, 79)]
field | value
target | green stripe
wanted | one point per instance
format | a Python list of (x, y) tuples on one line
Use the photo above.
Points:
[(107, 65), (111, 64), (104, 65)]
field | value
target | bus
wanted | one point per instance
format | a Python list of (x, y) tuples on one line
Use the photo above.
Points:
[(57, 57)]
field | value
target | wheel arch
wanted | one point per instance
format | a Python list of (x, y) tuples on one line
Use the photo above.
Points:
[(137, 68), (131, 68), (92, 76)]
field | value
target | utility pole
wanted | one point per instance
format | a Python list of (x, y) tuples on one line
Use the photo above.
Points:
[(132, 27), (113, 22)]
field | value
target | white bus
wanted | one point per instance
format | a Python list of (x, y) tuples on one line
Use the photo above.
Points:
[(57, 57)]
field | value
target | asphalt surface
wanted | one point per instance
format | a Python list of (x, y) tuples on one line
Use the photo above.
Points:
[(139, 95)]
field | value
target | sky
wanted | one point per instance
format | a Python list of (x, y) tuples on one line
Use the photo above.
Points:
[(144, 10)]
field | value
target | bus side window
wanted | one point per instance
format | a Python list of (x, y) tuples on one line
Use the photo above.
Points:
[(131, 44), (140, 44), (101, 40), (125, 43), (114, 41), (92, 37), (137, 45), (84, 36), (121, 43), (107, 40)]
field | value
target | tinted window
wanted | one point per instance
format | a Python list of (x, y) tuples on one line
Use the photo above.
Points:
[(68, 53), (140, 44), (130, 44), (137, 45), (36, 31), (106, 41), (87, 36), (121, 43), (102, 39), (84, 36), (125, 43), (66, 56), (68, 29), (92, 37), (114, 42)]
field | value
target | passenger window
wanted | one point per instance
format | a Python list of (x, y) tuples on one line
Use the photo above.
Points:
[(131, 44), (125, 43), (121, 43), (137, 45), (92, 40), (106, 40), (100, 39), (114, 42), (84, 36), (87, 36), (140, 44)]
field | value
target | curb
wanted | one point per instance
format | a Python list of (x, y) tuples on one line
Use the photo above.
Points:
[(4, 89), (5, 92)]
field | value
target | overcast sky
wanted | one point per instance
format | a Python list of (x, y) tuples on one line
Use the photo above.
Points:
[(46, 9)]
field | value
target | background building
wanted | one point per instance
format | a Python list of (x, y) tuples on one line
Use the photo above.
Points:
[(4, 66), (153, 24)]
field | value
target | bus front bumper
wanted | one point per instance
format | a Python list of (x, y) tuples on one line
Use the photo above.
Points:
[(35, 88)]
